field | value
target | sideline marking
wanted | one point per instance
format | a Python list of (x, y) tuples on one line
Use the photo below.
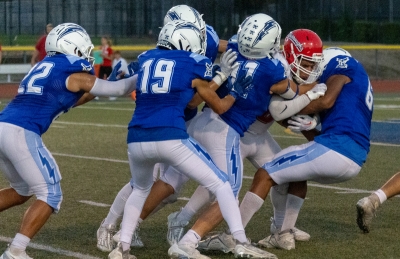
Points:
[(53, 250)]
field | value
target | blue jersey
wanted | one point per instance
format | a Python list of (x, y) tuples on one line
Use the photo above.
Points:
[(163, 90), (351, 114), (265, 72), (212, 43), (43, 95)]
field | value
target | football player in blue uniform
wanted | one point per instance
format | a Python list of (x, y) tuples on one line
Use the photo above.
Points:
[(258, 39), (168, 78), (301, 55), (64, 79), (341, 147), (212, 45)]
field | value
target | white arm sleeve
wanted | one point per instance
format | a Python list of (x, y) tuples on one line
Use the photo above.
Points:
[(281, 109), (114, 88)]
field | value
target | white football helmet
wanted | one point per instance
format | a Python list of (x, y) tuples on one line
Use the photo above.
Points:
[(70, 39), (186, 13), (330, 53), (259, 36), (181, 35)]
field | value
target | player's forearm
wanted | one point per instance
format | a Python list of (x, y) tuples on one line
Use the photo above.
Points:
[(222, 105), (281, 109)]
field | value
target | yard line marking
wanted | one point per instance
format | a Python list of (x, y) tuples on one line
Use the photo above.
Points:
[(91, 124), (92, 158), (107, 108), (52, 250), (98, 204)]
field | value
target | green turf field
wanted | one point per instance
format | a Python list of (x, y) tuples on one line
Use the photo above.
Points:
[(89, 145)]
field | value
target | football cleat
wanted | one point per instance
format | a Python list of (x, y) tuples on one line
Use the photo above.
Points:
[(218, 242), (118, 253), (283, 240), (105, 238), (176, 228), (299, 235), (185, 251), (8, 255), (366, 209), (247, 250), (136, 240)]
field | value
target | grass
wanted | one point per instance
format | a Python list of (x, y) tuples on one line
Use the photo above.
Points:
[(98, 130)]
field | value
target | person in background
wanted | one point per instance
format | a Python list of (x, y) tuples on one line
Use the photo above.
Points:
[(40, 50), (107, 54), (124, 67)]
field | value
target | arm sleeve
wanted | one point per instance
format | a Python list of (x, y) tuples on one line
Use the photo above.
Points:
[(281, 109), (114, 88)]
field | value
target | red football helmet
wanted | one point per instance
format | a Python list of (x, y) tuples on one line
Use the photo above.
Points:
[(303, 44)]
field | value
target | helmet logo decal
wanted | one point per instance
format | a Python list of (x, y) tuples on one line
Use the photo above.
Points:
[(342, 62), (173, 16), (70, 30), (293, 39), (264, 31)]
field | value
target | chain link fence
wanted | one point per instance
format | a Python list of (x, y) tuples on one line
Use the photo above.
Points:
[(142, 18)]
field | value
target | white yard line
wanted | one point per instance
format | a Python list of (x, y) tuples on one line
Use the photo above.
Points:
[(53, 250)]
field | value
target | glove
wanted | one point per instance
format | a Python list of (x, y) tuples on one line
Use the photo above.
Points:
[(299, 123), (215, 69), (227, 64), (133, 67), (241, 87), (317, 91), (116, 72)]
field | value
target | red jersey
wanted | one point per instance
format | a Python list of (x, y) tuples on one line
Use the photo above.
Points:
[(40, 46), (106, 50)]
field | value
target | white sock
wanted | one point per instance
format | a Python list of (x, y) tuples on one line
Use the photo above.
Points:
[(20, 242), (293, 206), (191, 237), (381, 195), (199, 198), (230, 211), (133, 208), (251, 203), (117, 208), (279, 203)]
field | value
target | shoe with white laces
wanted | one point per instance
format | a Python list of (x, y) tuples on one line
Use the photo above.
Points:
[(218, 242), (8, 255), (176, 228), (104, 237), (118, 253), (299, 235), (136, 240), (283, 240), (366, 209), (185, 251), (246, 250)]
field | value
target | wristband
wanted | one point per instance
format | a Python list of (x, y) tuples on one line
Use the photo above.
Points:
[(218, 79)]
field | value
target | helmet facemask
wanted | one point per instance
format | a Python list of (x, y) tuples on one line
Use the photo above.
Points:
[(297, 68)]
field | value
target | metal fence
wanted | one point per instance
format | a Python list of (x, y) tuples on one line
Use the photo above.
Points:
[(142, 18)]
